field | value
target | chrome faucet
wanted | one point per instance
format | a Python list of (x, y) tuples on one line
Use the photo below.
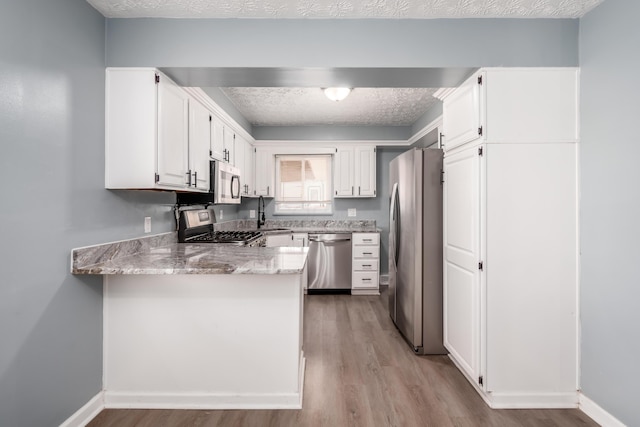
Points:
[(261, 217)]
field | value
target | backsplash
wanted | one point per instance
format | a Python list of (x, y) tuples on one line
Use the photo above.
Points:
[(299, 224)]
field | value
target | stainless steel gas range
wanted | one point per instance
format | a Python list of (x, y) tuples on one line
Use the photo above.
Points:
[(196, 226)]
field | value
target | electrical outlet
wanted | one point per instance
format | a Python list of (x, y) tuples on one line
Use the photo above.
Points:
[(147, 224), (252, 213), (351, 212), (221, 214)]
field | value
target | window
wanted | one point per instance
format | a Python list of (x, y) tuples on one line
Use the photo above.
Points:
[(303, 185)]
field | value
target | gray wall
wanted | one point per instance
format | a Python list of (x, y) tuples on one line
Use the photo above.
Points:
[(376, 208), (51, 173), (342, 43), (610, 207)]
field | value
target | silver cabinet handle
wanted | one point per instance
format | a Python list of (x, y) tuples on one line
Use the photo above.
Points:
[(358, 190), (352, 190), (189, 178), (195, 178)]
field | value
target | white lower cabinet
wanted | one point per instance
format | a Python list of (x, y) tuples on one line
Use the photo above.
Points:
[(365, 265), (288, 239), (278, 240), (510, 262)]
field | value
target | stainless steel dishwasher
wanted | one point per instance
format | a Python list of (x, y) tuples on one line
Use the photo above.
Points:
[(329, 261)]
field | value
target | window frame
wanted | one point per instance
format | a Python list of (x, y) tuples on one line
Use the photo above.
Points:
[(304, 211)]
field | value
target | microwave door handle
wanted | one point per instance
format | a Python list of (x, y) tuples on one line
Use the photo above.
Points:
[(236, 179)]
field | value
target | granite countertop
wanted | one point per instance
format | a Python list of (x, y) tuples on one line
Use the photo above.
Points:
[(129, 257)]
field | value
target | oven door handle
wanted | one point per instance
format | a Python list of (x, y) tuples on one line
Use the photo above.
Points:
[(236, 179)]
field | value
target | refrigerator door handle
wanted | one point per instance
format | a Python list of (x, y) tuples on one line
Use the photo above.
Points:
[(395, 223)]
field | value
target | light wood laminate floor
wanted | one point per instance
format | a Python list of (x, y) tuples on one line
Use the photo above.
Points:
[(361, 373)]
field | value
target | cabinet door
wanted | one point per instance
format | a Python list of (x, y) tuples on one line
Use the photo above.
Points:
[(199, 144), (365, 171), (462, 303), (300, 240), (249, 167), (343, 172), (239, 162), (462, 113), (279, 240), (229, 145), (217, 139), (264, 178), (173, 142)]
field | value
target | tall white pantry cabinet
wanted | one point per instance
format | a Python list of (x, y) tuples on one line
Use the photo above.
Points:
[(510, 234)]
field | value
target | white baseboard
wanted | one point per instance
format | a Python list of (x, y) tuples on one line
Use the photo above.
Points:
[(133, 400), (533, 400), (597, 414), (84, 415)]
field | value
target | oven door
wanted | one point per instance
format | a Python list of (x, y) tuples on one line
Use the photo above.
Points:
[(225, 183)]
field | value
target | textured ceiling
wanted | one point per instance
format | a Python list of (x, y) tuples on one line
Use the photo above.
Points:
[(309, 106), (412, 9)]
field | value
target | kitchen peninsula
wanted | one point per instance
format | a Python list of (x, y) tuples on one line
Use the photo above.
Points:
[(199, 325)]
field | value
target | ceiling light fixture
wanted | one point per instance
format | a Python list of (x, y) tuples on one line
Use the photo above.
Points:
[(337, 93)]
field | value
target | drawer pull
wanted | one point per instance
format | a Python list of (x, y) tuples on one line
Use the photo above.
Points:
[(367, 253), (366, 280), (367, 240), (366, 265)]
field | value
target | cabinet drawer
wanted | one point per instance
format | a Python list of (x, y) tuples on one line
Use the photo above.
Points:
[(365, 251), (364, 279), (366, 238), (365, 265)]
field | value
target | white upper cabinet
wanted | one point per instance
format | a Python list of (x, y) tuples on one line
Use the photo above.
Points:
[(217, 139), (146, 132), (462, 111), (512, 105), (531, 105), (264, 172), (365, 171), (343, 175), (229, 142), (355, 171), (173, 134), (199, 142), (248, 168)]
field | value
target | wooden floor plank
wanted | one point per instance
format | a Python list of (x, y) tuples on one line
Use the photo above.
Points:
[(360, 372)]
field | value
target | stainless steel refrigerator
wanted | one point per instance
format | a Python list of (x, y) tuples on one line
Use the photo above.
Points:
[(415, 248)]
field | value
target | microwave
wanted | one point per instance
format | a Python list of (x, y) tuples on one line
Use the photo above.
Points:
[(225, 183)]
